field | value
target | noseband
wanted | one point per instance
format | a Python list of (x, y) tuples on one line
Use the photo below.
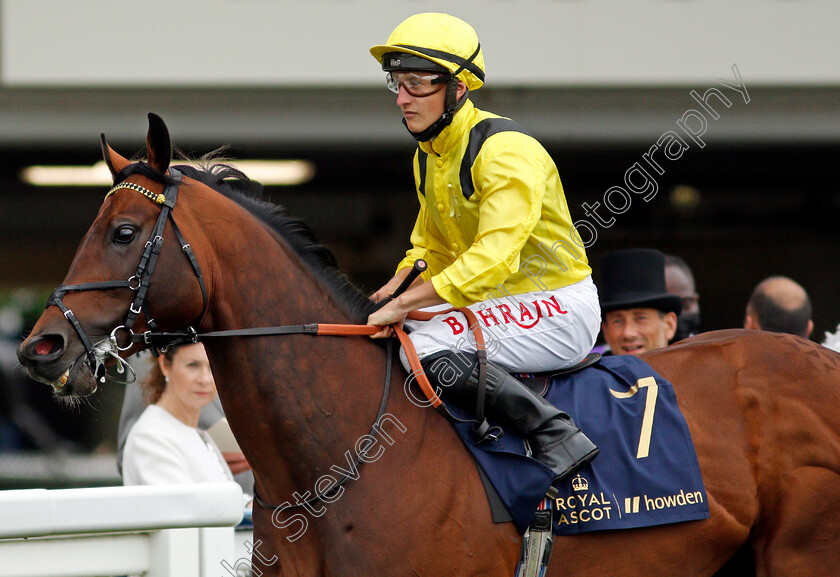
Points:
[(138, 282)]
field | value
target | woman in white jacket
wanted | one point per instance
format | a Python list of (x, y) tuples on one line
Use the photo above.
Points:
[(165, 445)]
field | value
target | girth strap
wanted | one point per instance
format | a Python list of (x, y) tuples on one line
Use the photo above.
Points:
[(159, 339), (481, 428)]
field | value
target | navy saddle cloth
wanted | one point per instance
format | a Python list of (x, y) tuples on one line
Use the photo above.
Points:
[(646, 473)]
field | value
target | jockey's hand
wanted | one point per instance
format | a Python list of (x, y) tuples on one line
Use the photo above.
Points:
[(416, 297), (388, 315), (388, 289), (383, 293)]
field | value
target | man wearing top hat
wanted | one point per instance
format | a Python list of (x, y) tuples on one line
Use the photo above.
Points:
[(638, 314)]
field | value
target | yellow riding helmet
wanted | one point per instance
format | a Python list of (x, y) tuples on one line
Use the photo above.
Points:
[(445, 40)]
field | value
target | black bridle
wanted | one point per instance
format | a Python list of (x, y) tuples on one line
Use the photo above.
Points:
[(138, 282)]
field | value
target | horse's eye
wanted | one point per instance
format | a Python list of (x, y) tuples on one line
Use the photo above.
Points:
[(124, 234)]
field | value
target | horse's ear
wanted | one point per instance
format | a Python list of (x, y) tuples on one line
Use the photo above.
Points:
[(157, 143), (114, 161)]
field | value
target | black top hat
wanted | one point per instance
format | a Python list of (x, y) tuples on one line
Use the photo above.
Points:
[(635, 278)]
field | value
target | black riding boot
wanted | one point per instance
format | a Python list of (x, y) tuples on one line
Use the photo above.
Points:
[(553, 437)]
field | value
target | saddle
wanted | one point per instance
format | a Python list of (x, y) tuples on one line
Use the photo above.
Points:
[(538, 382)]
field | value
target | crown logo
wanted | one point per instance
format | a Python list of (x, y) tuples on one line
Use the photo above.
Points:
[(579, 483)]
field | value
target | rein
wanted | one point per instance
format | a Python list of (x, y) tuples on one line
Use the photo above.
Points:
[(161, 340)]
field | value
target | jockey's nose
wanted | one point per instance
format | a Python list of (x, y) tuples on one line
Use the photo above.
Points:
[(403, 97)]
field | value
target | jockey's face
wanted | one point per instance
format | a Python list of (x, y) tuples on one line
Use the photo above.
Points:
[(420, 112), (634, 331)]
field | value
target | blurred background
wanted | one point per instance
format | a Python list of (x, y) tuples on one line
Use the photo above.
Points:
[(603, 84)]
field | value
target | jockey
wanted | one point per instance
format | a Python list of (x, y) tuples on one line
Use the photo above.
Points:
[(494, 228)]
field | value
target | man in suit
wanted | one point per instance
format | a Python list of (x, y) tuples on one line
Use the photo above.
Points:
[(638, 313)]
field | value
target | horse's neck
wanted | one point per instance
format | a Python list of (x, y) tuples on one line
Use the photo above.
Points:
[(261, 279), (294, 399)]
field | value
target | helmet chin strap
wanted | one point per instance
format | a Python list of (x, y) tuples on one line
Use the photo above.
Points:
[(451, 107)]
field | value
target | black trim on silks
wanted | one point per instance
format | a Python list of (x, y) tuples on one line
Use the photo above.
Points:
[(421, 165), (478, 134)]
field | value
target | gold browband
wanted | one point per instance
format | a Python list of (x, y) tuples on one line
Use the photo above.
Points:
[(156, 198)]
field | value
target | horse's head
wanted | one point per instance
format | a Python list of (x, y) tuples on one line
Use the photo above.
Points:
[(124, 278)]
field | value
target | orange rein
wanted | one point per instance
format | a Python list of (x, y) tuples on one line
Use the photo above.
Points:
[(407, 345)]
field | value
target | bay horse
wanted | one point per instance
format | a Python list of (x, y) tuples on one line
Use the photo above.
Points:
[(763, 409)]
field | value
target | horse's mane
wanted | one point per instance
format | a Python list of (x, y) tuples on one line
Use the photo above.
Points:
[(247, 193)]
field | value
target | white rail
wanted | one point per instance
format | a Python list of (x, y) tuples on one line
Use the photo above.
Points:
[(157, 531)]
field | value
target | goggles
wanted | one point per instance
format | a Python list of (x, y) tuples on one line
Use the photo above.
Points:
[(415, 83)]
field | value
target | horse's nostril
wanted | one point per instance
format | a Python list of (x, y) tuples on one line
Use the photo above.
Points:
[(47, 345)]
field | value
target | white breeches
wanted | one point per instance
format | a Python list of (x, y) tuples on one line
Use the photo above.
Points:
[(531, 332)]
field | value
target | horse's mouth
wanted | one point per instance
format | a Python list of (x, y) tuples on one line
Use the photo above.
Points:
[(45, 358), (44, 362), (76, 381), (59, 383)]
